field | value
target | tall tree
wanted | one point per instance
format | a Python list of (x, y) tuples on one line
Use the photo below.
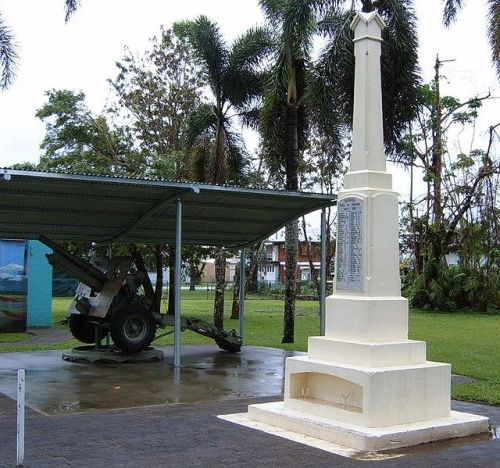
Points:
[(234, 80), (451, 9), (284, 122), (78, 141), (319, 99), (458, 208), (156, 92)]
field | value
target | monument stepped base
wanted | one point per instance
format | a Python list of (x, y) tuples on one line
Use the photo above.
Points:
[(364, 438)]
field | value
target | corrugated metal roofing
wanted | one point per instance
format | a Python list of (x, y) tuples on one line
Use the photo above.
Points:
[(107, 209)]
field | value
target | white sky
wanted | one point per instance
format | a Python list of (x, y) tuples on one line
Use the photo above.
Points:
[(81, 54)]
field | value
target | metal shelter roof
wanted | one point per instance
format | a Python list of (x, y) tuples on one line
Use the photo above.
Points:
[(109, 209)]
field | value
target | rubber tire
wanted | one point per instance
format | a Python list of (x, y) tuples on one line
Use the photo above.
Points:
[(81, 329), (132, 316)]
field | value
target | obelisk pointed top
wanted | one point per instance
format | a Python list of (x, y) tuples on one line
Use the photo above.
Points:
[(368, 166), (367, 18)]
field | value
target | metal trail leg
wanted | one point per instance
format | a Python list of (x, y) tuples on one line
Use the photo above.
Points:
[(177, 286)]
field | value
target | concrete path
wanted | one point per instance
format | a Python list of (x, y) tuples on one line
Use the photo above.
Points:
[(39, 336)]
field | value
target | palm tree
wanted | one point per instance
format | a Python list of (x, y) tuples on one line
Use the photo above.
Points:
[(284, 118), (8, 47), (232, 74), (452, 7), (319, 98), (8, 55)]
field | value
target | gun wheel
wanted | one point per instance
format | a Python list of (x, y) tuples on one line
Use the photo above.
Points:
[(81, 329), (132, 329)]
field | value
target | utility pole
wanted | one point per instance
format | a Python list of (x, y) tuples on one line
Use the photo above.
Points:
[(437, 148)]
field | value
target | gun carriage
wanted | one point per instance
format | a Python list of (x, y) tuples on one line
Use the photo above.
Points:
[(108, 300)]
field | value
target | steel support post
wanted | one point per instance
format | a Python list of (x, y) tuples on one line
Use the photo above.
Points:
[(322, 298), (177, 287), (242, 291)]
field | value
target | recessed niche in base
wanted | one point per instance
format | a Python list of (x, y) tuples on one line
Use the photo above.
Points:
[(325, 389)]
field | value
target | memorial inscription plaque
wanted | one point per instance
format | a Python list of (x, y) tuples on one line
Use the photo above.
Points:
[(349, 273)]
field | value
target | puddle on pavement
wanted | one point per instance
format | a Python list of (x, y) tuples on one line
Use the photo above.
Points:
[(54, 386)]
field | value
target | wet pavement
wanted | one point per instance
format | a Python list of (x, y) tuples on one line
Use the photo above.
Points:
[(54, 386), (147, 415)]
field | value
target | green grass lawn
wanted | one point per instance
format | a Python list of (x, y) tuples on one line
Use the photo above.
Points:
[(468, 341), (13, 337)]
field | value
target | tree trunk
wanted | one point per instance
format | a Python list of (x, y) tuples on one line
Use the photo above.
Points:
[(252, 273), (220, 284), (437, 152), (292, 231), (235, 309), (291, 246), (171, 280), (314, 273), (220, 163)]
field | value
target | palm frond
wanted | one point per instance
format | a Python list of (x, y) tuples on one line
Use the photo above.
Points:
[(299, 26), (399, 66), (242, 87), (243, 78), (70, 6), (451, 8), (8, 55), (200, 124), (237, 158), (250, 117), (400, 69), (273, 120), (273, 10), (249, 49), (209, 48), (199, 157), (494, 32), (326, 121), (335, 68)]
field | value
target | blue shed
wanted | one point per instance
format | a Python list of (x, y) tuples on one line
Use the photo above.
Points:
[(13, 286), (25, 286), (39, 285)]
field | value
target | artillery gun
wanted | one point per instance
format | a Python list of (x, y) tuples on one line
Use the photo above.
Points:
[(108, 301)]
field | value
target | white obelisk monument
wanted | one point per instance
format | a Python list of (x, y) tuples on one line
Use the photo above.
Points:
[(364, 384)]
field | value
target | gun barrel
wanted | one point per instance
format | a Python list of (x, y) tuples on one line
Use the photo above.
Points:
[(80, 269)]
